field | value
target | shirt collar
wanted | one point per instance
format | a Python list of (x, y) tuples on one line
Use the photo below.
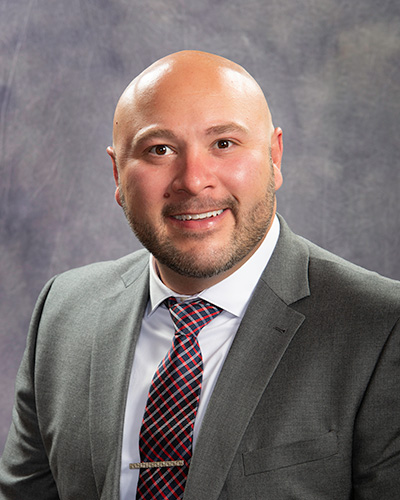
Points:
[(231, 294)]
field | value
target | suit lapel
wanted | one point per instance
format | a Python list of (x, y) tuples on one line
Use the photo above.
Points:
[(262, 338), (120, 317), (264, 334)]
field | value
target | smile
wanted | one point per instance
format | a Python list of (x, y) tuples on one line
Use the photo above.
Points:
[(205, 215)]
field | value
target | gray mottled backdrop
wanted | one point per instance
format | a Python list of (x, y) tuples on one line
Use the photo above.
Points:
[(330, 69)]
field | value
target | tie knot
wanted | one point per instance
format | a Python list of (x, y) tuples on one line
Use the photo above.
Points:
[(191, 317)]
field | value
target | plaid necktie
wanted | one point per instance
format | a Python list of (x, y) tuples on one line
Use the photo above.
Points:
[(167, 427)]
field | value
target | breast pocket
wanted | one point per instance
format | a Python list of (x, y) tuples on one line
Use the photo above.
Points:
[(286, 455)]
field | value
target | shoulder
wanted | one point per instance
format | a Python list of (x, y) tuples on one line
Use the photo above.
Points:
[(327, 280), (345, 298), (331, 272), (100, 278)]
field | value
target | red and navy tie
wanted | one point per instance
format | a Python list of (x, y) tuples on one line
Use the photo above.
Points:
[(165, 441)]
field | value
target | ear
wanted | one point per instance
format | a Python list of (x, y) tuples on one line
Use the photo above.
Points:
[(276, 154), (111, 153)]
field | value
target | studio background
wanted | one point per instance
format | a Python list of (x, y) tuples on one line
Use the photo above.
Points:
[(330, 70)]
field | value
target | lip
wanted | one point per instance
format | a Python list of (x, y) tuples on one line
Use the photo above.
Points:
[(198, 221), (199, 216)]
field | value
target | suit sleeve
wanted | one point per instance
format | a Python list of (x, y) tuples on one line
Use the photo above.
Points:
[(376, 456), (24, 469)]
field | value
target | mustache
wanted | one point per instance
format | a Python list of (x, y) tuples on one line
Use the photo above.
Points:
[(199, 206)]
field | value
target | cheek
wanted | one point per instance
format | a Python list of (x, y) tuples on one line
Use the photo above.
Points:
[(143, 188), (249, 176)]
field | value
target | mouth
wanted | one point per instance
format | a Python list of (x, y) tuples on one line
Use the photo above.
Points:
[(202, 216)]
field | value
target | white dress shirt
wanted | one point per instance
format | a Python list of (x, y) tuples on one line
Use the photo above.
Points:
[(232, 295)]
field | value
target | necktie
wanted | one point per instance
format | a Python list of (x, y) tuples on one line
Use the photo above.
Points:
[(167, 427)]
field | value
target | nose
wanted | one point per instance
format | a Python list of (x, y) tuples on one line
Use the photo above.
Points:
[(194, 173)]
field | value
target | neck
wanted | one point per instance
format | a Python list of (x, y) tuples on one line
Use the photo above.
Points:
[(187, 285)]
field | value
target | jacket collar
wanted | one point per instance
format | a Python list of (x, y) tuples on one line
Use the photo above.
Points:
[(265, 333), (268, 326), (119, 322)]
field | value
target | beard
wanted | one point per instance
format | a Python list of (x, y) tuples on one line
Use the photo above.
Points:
[(250, 228)]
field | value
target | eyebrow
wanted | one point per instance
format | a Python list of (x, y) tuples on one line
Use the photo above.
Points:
[(148, 135), (226, 128)]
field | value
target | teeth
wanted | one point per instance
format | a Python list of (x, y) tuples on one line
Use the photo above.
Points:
[(206, 215)]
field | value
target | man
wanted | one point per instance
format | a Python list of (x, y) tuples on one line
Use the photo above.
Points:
[(300, 368)]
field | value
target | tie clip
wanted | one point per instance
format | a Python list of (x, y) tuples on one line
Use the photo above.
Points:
[(152, 465)]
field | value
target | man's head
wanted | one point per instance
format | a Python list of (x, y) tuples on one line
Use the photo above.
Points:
[(196, 162)]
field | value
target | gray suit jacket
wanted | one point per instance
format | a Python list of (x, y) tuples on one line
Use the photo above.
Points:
[(307, 405)]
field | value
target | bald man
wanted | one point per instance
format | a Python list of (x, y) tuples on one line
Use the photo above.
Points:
[(298, 393)]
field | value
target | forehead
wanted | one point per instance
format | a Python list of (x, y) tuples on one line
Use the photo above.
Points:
[(190, 99)]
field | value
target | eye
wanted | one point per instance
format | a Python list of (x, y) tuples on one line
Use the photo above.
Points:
[(223, 144), (160, 150)]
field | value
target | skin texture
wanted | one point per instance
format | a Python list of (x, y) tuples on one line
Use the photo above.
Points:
[(193, 134)]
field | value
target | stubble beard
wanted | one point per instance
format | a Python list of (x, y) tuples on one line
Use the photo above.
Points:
[(249, 230)]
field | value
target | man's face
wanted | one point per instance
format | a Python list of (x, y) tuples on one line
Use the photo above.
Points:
[(195, 173)]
